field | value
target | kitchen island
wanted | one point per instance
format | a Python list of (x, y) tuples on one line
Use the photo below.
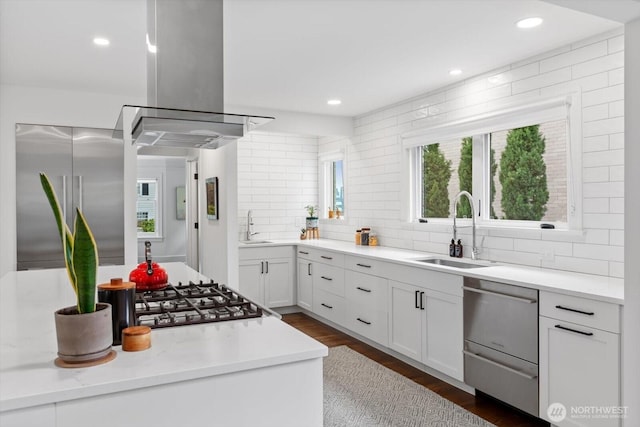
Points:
[(243, 372)]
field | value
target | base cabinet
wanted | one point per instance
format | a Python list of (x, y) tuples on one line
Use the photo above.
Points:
[(579, 361), (267, 280), (305, 284), (426, 325)]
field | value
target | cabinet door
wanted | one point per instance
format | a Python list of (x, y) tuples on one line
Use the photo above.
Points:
[(580, 369), (443, 340), (305, 284), (278, 288), (251, 280), (406, 319)]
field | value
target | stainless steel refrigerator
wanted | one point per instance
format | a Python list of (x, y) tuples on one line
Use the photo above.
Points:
[(86, 168)]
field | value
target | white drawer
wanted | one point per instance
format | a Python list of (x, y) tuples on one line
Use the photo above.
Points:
[(367, 265), (328, 305), (367, 322), (323, 256), (328, 278), (366, 290), (582, 311)]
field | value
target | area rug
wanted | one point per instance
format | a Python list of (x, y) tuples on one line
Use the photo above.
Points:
[(361, 392)]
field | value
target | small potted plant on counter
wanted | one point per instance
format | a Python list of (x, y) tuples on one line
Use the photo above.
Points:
[(84, 331), (312, 219)]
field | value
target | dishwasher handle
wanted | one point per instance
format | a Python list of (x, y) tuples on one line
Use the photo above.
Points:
[(500, 295), (500, 365)]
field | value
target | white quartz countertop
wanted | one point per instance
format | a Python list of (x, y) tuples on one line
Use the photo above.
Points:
[(28, 376), (590, 286)]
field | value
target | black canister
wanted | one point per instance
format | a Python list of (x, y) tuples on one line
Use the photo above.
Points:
[(122, 297)]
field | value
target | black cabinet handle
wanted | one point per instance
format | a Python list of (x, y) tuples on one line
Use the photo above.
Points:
[(261, 267), (326, 257), (588, 313), (363, 265), (574, 330), (303, 252), (309, 269), (363, 321), (267, 263), (416, 299), (363, 289), (326, 278), (327, 305), (421, 301)]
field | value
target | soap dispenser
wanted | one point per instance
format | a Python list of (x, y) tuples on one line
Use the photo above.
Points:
[(452, 248), (458, 249)]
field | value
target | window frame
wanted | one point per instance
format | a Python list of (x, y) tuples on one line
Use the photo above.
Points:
[(159, 208), (326, 187), (479, 127)]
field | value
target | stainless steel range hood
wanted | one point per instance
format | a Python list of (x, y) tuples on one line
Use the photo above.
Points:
[(185, 80)]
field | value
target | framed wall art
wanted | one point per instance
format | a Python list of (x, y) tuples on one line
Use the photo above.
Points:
[(211, 185)]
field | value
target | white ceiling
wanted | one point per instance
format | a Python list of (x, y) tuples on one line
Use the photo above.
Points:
[(295, 54)]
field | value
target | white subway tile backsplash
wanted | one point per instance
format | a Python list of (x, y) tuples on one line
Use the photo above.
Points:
[(574, 56), (616, 44), (616, 77), (541, 80), (603, 127), (600, 96), (598, 65)]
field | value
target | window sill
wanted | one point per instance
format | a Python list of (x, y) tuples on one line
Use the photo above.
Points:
[(501, 230)]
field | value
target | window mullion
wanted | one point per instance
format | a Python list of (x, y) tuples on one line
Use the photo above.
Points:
[(480, 173)]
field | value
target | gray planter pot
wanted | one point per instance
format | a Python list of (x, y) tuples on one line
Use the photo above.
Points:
[(84, 337)]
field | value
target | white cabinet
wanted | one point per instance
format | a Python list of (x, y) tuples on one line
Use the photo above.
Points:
[(579, 360), (426, 325), (266, 275), (366, 300), (305, 279)]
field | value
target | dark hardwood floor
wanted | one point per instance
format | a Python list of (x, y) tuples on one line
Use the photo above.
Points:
[(483, 406)]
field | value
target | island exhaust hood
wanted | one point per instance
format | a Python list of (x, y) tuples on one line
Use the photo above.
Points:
[(185, 80)]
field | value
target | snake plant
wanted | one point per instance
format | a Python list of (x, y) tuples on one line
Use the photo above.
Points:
[(80, 251)]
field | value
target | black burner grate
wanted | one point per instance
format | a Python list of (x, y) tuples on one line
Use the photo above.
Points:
[(192, 304)]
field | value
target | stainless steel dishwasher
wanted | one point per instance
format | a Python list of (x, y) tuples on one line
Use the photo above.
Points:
[(501, 342)]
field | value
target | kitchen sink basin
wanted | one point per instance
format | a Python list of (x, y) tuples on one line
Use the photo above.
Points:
[(254, 242), (450, 263)]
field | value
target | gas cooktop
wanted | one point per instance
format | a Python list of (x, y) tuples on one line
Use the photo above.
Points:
[(192, 303)]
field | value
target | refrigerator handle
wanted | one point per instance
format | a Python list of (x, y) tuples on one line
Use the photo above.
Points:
[(64, 199), (80, 193)]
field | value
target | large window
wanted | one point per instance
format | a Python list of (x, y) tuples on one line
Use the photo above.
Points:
[(147, 208), (518, 175)]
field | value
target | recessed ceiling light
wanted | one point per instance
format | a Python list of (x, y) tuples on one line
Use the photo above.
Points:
[(455, 72), (334, 102), (101, 41), (529, 22)]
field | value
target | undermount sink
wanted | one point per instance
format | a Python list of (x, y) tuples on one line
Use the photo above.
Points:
[(450, 263), (254, 242)]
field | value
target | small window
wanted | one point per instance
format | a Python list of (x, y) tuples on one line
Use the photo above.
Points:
[(332, 184), (147, 208)]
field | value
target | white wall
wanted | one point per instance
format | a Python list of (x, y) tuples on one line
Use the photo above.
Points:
[(218, 238), (631, 342), (277, 178), (19, 104), (374, 160), (173, 244)]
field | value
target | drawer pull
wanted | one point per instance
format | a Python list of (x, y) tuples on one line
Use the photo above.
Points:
[(326, 257), (326, 278), (564, 328), (416, 299), (500, 295), (363, 289), (309, 269), (327, 305), (588, 313), (500, 365), (303, 252), (363, 321), (421, 301), (363, 265)]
